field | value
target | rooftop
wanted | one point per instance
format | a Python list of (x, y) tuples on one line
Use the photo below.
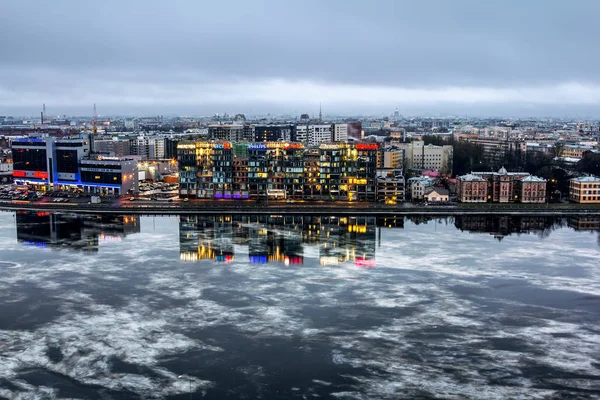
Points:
[(589, 178), (532, 178), (440, 191), (470, 178)]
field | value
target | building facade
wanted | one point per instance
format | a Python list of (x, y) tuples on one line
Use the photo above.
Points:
[(391, 189), (436, 195), (66, 164), (340, 133), (278, 170), (584, 189), (471, 189), (231, 133), (503, 186), (273, 133), (500, 187), (532, 189), (418, 186), (109, 175), (113, 147), (417, 155)]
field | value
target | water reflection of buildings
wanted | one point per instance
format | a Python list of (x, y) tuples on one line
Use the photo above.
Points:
[(282, 238), (504, 225), (76, 232), (585, 223)]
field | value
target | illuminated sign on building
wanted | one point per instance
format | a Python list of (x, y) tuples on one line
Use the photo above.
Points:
[(293, 145), (222, 146), (107, 158), (257, 146), (329, 146), (30, 174), (367, 146)]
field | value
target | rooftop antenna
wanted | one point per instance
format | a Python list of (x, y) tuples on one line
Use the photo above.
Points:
[(320, 113), (94, 121)]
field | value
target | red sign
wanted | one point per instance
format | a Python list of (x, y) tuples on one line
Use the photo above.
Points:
[(365, 146), (36, 174), (40, 175)]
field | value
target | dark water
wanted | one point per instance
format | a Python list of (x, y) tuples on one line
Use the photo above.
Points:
[(298, 308)]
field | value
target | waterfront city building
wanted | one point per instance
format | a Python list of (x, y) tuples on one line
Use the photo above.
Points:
[(501, 187), (585, 189), (471, 189), (66, 164), (278, 170), (417, 155)]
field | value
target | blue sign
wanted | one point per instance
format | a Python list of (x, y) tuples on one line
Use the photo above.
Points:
[(257, 146)]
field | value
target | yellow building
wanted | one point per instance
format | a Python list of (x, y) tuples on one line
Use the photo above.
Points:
[(574, 151), (436, 195), (585, 189)]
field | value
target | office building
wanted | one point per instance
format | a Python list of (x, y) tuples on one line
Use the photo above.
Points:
[(109, 175), (230, 133), (312, 135), (148, 148), (112, 147), (48, 163), (340, 133), (417, 155), (273, 133), (66, 164), (391, 157)]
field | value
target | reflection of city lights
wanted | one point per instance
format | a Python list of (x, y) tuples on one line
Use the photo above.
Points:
[(363, 262), (329, 260), (286, 261)]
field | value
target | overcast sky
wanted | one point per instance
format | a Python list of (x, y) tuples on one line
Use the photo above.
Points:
[(480, 57)]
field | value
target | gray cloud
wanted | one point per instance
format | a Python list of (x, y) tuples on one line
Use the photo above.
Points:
[(125, 53)]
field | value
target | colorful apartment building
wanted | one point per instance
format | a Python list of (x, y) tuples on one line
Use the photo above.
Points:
[(331, 171)]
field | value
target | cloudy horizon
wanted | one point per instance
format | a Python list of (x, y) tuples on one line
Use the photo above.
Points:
[(534, 58)]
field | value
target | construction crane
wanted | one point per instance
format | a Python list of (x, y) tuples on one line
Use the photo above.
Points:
[(95, 121)]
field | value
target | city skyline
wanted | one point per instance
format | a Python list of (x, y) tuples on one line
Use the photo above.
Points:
[(434, 58)]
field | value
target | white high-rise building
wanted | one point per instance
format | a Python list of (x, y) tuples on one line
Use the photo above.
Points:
[(312, 135), (319, 134), (340, 133)]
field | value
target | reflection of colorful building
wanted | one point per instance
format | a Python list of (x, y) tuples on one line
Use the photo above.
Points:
[(72, 231), (585, 223), (206, 238), (281, 238)]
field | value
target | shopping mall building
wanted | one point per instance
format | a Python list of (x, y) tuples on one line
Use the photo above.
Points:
[(68, 164)]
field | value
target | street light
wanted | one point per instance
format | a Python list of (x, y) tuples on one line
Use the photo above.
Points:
[(189, 380)]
